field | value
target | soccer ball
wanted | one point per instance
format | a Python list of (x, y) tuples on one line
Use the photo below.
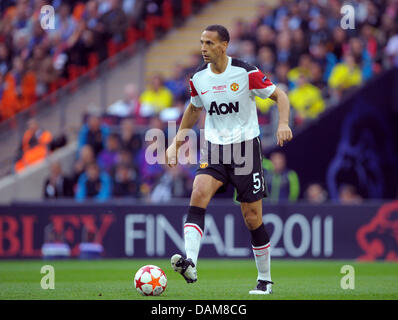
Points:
[(150, 280)]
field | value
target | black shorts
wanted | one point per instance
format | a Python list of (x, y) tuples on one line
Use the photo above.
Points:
[(239, 164)]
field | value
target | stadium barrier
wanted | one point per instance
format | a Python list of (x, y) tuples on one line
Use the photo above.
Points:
[(364, 232)]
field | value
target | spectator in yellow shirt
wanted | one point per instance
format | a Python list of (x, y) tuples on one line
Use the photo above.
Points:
[(303, 68), (155, 98), (344, 76), (306, 99)]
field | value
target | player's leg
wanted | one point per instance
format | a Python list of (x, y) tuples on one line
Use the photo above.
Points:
[(252, 214), (251, 189), (204, 188)]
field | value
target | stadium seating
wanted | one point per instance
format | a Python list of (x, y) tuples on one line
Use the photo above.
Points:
[(11, 103)]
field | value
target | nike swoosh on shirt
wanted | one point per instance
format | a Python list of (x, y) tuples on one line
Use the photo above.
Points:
[(203, 92), (255, 191)]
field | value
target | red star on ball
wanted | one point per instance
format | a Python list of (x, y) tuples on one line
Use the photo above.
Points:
[(138, 283)]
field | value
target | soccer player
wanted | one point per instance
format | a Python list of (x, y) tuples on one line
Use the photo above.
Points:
[(226, 88)]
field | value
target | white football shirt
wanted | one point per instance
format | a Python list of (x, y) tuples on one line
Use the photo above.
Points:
[(229, 101)]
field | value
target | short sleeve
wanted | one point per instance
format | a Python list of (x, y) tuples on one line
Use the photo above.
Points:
[(260, 85), (195, 99)]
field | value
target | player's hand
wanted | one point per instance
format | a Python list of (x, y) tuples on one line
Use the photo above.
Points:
[(171, 155), (284, 134)]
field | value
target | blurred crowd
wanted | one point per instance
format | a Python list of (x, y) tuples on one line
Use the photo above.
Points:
[(299, 45), (111, 163), (35, 61)]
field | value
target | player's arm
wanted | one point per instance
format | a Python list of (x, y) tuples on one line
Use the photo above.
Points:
[(189, 118), (262, 87), (283, 133)]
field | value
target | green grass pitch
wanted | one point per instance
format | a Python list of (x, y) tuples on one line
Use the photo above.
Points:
[(217, 279)]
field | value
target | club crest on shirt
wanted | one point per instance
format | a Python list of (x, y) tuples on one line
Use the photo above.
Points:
[(234, 86), (203, 165)]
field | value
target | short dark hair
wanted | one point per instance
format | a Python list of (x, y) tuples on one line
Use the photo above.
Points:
[(223, 33)]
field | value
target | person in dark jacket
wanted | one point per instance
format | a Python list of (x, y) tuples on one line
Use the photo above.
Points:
[(57, 185), (126, 183)]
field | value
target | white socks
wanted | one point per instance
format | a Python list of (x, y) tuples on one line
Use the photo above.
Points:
[(262, 256), (192, 237)]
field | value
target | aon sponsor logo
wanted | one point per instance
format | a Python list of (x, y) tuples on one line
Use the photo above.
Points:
[(223, 108)]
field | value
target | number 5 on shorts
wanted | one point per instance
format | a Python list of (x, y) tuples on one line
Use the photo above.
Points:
[(256, 182)]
